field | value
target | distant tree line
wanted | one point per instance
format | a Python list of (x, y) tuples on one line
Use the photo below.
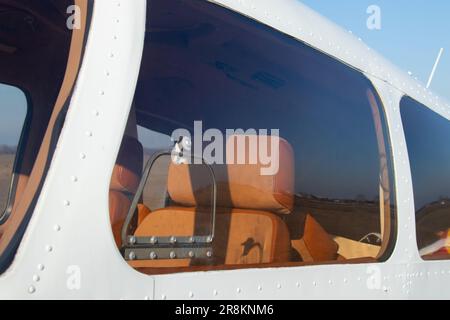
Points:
[(5, 149)]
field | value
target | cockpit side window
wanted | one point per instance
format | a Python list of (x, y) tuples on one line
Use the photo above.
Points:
[(13, 120), (40, 52), (264, 152), (427, 137)]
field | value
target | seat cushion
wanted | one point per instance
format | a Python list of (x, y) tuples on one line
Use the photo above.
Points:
[(242, 236)]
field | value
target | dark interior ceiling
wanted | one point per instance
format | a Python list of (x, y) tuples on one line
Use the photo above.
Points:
[(199, 56), (34, 42), (28, 24)]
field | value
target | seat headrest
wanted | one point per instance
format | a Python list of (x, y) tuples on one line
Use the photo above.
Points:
[(128, 169), (238, 185)]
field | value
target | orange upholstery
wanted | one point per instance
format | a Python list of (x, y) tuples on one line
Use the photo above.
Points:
[(119, 204), (316, 245), (143, 212), (248, 231), (124, 183), (239, 185), (128, 169), (242, 237), (319, 243)]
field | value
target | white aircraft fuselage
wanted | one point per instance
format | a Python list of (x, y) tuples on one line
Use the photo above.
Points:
[(67, 250)]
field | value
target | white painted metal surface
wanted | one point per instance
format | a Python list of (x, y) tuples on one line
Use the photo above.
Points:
[(70, 227), (100, 104)]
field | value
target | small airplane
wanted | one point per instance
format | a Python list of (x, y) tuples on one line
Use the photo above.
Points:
[(221, 149)]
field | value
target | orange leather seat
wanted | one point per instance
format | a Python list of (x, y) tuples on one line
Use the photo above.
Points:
[(124, 183), (316, 245), (249, 229)]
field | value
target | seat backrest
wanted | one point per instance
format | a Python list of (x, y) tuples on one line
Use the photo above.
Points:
[(248, 228), (241, 186), (316, 245), (124, 183)]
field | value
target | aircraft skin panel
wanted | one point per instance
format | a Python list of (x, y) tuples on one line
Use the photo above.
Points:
[(302, 283), (59, 245), (405, 248), (62, 256)]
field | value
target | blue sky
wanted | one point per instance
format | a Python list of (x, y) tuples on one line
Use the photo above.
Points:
[(412, 32), (11, 122)]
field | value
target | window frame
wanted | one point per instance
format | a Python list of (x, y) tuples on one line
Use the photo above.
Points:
[(392, 234), (18, 157), (388, 219), (410, 99), (389, 224)]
